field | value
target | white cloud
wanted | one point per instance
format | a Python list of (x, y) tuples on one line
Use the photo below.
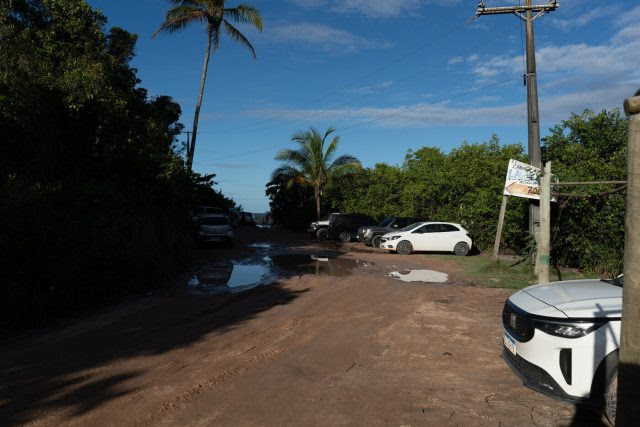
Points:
[(323, 37), (615, 60), (552, 110), (374, 8), (582, 19), (372, 88), (455, 60)]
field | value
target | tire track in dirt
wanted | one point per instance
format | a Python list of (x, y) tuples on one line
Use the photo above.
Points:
[(278, 332)]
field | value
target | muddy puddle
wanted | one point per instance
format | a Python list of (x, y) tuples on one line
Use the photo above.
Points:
[(237, 276), (223, 277), (426, 276), (319, 265), (262, 245)]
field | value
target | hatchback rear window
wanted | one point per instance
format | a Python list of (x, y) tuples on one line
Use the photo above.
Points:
[(214, 220)]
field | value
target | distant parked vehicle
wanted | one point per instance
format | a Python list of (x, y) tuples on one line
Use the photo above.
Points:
[(429, 236), (209, 210), (248, 219), (215, 228), (318, 229), (344, 227), (371, 235)]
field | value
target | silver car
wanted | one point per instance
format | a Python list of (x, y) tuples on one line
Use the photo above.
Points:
[(215, 228)]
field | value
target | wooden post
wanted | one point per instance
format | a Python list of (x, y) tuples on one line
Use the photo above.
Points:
[(496, 246), (544, 242), (628, 411)]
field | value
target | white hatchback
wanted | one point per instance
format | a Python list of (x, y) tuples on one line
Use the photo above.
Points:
[(429, 236)]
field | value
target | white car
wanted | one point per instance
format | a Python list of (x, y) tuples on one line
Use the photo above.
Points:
[(215, 228), (562, 339), (428, 236)]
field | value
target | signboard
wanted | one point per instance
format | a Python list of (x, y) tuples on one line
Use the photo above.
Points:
[(522, 180)]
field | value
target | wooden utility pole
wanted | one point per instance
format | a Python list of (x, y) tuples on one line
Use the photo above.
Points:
[(526, 13), (545, 225), (496, 245), (628, 411)]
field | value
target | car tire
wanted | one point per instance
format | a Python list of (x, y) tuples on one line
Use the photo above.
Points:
[(322, 234), (345, 236), (461, 249), (376, 241), (404, 248), (611, 396)]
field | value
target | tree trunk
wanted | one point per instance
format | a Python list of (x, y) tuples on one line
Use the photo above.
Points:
[(317, 194), (191, 150)]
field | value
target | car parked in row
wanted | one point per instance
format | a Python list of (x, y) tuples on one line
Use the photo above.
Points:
[(372, 235), (562, 339), (318, 229), (344, 227), (429, 236), (214, 228)]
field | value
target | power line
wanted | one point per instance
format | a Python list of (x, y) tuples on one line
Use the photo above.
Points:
[(386, 116)]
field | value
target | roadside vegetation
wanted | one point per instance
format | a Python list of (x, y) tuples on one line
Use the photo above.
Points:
[(465, 185), (95, 193)]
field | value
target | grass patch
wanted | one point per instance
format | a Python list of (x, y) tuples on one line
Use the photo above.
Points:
[(512, 274)]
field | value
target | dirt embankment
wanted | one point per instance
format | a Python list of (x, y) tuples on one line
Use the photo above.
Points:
[(328, 343)]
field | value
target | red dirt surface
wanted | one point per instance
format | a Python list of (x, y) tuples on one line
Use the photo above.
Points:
[(340, 348)]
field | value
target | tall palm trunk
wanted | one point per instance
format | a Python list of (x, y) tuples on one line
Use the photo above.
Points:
[(316, 192), (191, 150)]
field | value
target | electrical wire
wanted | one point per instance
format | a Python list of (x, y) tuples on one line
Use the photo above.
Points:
[(383, 117)]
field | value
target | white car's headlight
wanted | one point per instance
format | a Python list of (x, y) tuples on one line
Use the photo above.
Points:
[(393, 238), (567, 330)]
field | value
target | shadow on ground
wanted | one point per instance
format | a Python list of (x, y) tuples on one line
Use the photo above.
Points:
[(55, 372)]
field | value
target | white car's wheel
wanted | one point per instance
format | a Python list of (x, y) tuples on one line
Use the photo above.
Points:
[(611, 397), (404, 248), (461, 249)]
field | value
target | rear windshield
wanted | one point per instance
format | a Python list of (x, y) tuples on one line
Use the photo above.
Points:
[(214, 220)]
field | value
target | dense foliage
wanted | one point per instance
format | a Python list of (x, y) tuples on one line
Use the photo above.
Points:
[(94, 195), (588, 232), (465, 186)]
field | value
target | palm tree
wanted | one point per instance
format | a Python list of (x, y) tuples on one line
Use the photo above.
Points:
[(214, 15), (313, 165)]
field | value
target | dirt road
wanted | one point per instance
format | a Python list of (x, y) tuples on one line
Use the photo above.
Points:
[(332, 341)]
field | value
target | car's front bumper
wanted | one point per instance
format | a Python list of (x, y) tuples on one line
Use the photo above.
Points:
[(389, 244)]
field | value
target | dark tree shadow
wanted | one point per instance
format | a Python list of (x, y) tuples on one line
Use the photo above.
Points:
[(56, 371)]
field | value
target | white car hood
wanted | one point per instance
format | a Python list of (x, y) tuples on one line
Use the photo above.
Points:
[(580, 298)]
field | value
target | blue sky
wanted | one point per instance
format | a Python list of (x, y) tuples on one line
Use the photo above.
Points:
[(389, 75)]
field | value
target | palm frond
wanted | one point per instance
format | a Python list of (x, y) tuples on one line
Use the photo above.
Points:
[(234, 33), (245, 14), (296, 157), (179, 17)]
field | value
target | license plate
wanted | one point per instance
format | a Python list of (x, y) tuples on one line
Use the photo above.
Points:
[(510, 343)]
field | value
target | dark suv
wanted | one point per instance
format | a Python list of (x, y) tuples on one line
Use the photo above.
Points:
[(371, 235), (344, 227)]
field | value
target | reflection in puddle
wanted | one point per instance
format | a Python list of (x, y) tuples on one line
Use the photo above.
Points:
[(262, 245), (318, 265), (429, 276), (224, 277)]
